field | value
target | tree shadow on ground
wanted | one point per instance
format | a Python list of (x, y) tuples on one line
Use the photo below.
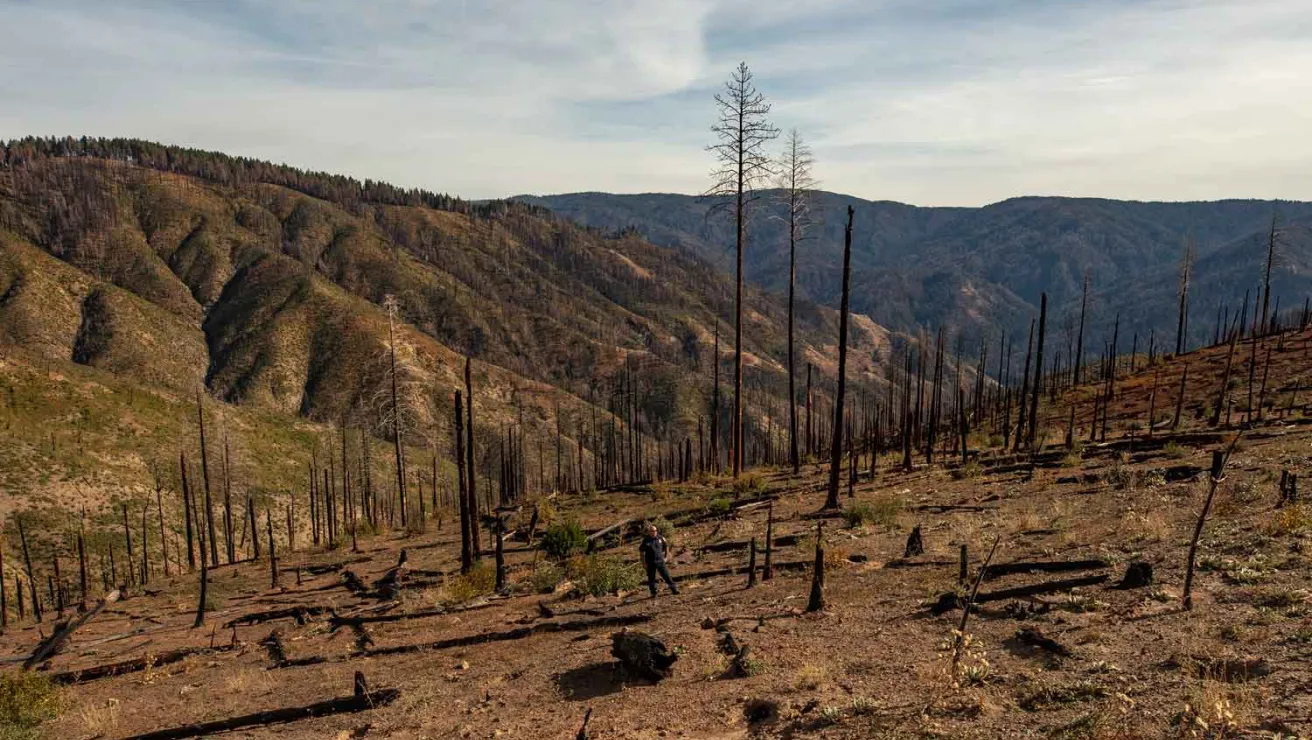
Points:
[(590, 681)]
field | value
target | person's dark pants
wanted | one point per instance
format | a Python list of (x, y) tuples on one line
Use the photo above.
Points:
[(652, 570)]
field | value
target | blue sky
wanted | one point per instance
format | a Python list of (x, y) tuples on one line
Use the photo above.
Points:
[(959, 102)]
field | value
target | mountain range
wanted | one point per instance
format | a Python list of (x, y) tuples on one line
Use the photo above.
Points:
[(979, 270)]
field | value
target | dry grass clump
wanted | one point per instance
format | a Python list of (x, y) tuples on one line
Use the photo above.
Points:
[(810, 677), (881, 510)]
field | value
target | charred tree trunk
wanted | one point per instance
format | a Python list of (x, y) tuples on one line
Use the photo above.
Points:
[(205, 475), (1032, 436), (1225, 383), (836, 454), (469, 462), (187, 513), (1218, 467), (1179, 399), (466, 541), (273, 553), (817, 600)]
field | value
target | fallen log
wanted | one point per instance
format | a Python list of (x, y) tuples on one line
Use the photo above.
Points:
[(59, 637), (787, 540), (946, 508), (1038, 589), (607, 530), (1043, 566), (903, 563), (949, 601), (362, 700), (298, 613), (739, 570), (339, 621), (479, 639), (322, 568), (134, 665)]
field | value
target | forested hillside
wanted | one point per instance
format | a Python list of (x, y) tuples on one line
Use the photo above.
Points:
[(272, 290), (981, 268)]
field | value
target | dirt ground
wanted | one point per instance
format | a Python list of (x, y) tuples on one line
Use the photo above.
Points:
[(875, 662)]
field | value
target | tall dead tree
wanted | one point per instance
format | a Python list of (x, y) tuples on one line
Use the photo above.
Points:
[(204, 585), (1272, 235), (1224, 391), (1079, 341), (397, 445), (741, 131), (470, 490), (1038, 373), (187, 512), (795, 186), (205, 474), (163, 538), (229, 542), (836, 451), (273, 553), (1182, 322), (466, 542)]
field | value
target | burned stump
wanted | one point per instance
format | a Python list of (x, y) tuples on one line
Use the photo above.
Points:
[(915, 545), (1137, 575), (642, 655)]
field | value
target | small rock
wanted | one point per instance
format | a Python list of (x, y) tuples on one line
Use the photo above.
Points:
[(462, 665)]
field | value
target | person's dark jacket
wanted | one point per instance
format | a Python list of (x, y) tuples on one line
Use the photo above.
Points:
[(653, 549)]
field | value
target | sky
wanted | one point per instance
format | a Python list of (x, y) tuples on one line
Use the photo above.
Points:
[(930, 102)]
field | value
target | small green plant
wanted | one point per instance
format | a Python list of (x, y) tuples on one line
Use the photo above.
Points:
[(829, 716), (479, 581), (660, 491), (563, 539), (1048, 696), (545, 577), (749, 483), (863, 705), (598, 575), (1072, 459), (26, 700), (718, 506), (970, 471), (1173, 450)]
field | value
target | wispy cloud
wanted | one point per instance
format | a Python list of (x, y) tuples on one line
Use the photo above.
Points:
[(960, 102)]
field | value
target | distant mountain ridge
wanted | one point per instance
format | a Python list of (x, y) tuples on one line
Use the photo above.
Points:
[(982, 269)]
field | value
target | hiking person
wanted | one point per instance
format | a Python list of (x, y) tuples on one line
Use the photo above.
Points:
[(653, 549)]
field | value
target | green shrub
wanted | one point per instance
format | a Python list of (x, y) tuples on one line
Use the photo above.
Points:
[(718, 506), (598, 575), (26, 700), (545, 577), (749, 483), (562, 540), (883, 511), (479, 581), (1171, 449)]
